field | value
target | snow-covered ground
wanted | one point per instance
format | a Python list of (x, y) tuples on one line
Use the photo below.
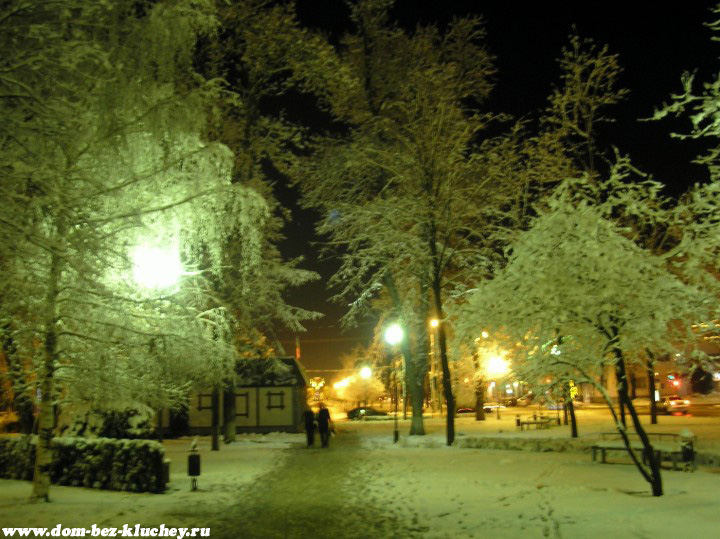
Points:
[(222, 473), (457, 492), (435, 490)]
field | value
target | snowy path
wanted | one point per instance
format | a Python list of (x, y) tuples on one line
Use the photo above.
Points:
[(365, 486), (316, 493)]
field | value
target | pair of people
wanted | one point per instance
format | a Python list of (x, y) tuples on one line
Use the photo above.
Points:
[(322, 422)]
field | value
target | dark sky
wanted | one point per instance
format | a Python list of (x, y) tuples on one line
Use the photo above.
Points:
[(655, 44)]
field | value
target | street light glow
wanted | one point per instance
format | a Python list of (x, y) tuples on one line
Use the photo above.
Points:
[(496, 366), (156, 267), (434, 323), (394, 334), (365, 372)]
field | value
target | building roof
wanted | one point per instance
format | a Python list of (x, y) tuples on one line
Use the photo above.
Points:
[(277, 371)]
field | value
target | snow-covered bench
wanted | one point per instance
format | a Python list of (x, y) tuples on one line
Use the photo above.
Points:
[(543, 423), (666, 446)]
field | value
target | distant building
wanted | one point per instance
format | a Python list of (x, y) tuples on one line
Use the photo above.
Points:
[(268, 395)]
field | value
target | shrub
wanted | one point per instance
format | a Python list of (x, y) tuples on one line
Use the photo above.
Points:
[(127, 423), (134, 465)]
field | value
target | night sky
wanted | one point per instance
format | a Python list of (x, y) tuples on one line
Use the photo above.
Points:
[(655, 44)]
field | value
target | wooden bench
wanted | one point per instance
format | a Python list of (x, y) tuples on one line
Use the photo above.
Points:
[(604, 447), (552, 419), (539, 423), (668, 446)]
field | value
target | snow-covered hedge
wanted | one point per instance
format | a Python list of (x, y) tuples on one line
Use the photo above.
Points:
[(527, 444), (135, 465), (124, 423), (562, 445)]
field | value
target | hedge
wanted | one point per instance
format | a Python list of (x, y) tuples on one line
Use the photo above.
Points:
[(105, 463)]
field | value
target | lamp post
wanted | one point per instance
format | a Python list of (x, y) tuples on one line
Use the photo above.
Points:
[(394, 334), (497, 367), (434, 392), (157, 268)]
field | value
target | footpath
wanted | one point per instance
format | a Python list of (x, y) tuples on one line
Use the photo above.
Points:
[(316, 493)]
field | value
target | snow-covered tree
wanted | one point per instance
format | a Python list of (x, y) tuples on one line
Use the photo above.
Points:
[(406, 192), (262, 54), (580, 272), (105, 161), (360, 389)]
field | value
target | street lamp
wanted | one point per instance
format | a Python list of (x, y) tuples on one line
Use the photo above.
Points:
[(365, 372), (497, 367), (394, 334), (157, 267)]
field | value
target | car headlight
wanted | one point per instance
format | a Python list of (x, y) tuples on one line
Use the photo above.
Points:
[(687, 402)]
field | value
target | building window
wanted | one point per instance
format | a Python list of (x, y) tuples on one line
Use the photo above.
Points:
[(242, 404), (204, 401), (276, 400)]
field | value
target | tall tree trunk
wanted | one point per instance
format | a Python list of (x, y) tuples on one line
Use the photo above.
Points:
[(651, 386), (654, 477), (229, 428), (417, 381), (570, 409), (215, 423), (159, 424), (421, 362), (46, 419), (621, 387), (480, 401), (442, 342), (573, 420), (415, 367)]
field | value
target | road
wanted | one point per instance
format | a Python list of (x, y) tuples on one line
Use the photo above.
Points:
[(697, 410), (313, 496)]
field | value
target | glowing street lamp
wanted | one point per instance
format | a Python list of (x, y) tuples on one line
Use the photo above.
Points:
[(394, 334), (157, 267), (365, 372), (497, 367)]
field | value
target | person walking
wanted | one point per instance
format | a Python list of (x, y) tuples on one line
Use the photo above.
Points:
[(324, 423), (309, 418)]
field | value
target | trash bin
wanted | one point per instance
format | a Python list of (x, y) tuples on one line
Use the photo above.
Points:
[(193, 464)]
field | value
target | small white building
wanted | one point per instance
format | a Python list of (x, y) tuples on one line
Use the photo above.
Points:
[(267, 395)]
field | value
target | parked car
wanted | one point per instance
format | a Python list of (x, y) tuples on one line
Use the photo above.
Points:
[(510, 401), (554, 405), (363, 412), (524, 401), (465, 410), (489, 408), (673, 403)]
